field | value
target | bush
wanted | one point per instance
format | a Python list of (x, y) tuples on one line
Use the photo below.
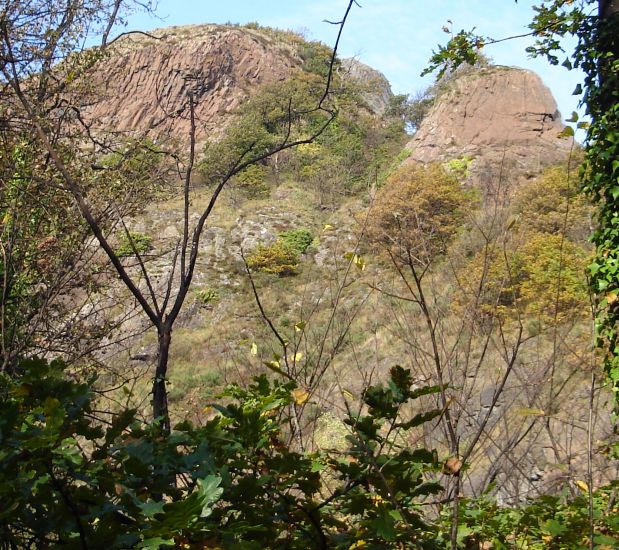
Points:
[(207, 296), (543, 278), (547, 522), (553, 204), (70, 481), (133, 175), (134, 241), (278, 258), (285, 110), (459, 167), (417, 212), (252, 180), (299, 239)]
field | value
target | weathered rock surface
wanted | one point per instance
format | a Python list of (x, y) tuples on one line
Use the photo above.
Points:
[(145, 85), (504, 118), (376, 88)]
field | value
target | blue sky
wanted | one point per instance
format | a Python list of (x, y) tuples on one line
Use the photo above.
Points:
[(393, 36)]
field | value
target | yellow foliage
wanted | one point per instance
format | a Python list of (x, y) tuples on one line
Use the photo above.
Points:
[(544, 277), (277, 258), (553, 204), (417, 212)]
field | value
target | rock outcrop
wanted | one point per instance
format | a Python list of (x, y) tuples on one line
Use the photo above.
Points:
[(145, 84), (502, 118), (376, 90)]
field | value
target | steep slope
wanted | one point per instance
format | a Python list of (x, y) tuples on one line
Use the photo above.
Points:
[(145, 85), (501, 117), (346, 314)]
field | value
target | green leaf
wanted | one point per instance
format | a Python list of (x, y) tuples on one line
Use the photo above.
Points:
[(150, 508), (554, 527), (573, 117), (568, 131), (154, 543), (209, 492), (425, 390), (463, 532), (274, 366), (384, 525), (419, 419), (181, 514)]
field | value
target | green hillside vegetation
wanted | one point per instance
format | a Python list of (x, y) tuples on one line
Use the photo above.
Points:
[(370, 356)]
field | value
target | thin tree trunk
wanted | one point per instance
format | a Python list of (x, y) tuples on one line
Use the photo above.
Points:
[(160, 393)]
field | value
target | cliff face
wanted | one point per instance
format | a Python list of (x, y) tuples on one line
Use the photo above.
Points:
[(145, 85), (375, 87), (501, 117)]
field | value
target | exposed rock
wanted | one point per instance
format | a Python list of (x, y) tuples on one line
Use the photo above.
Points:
[(145, 85), (504, 118), (375, 86)]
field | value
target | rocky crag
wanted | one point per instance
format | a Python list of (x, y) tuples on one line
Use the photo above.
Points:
[(144, 87), (501, 119)]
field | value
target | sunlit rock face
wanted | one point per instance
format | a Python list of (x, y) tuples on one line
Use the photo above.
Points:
[(504, 119), (144, 86), (375, 88)]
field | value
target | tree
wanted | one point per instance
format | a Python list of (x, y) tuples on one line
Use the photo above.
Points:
[(41, 59), (597, 54), (417, 212)]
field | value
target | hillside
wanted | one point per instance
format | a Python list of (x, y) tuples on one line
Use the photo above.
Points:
[(420, 296), (495, 131)]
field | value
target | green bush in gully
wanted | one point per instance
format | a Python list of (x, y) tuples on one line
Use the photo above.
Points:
[(132, 242), (350, 150), (281, 257)]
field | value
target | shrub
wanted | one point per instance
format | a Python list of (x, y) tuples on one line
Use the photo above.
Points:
[(546, 522), (543, 278), (418, 211), (72, 481), (276, 112), (134, 241), (207, 296), (278, 258), (299, 239), (133, 175), (252, 179), (459, 167), (552, 203)]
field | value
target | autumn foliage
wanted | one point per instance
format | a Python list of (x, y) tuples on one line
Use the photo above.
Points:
[(417, 212)]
